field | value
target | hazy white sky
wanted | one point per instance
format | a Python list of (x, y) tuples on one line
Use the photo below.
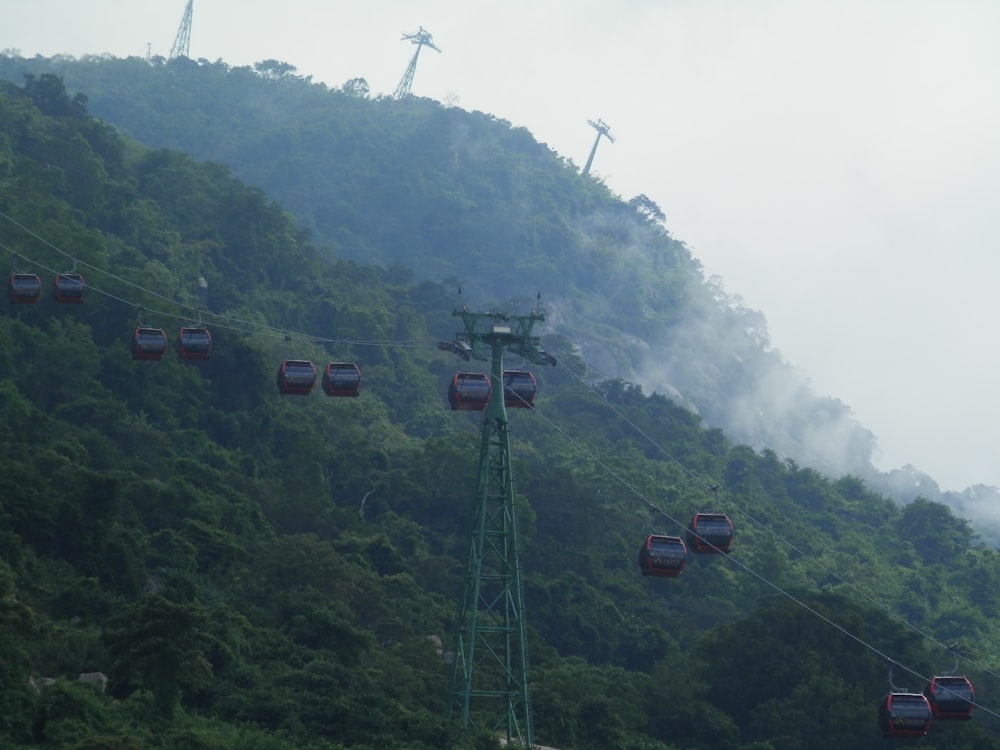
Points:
[(837, 164)]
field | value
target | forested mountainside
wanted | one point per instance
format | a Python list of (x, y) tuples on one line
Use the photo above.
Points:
[(234, 569), (466, 198)]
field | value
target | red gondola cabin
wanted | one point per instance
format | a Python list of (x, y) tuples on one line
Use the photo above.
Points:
[(519, 388), (24, 288), (469, 391), (951, 697), (662, 556), (148, 344), (69, 288), (904, 715), (296, 377), (194, 343), (341, 379), (710, 533)]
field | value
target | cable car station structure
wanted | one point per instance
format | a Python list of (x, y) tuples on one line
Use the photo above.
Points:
[(489, 683)]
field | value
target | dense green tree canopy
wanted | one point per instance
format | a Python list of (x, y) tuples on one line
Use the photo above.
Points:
[(466, 198), (251, 571)]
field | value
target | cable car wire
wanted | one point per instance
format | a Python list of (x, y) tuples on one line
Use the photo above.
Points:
[(788, 543), (243, 326), (229, 322), (760, 577), (694, 475), (251, 328)]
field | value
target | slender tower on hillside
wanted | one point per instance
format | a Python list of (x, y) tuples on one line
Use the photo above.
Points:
[(422, 39), (602, 128), (182, 42), (489, 682)]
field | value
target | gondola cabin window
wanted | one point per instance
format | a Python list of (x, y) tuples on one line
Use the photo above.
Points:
[(296, 377), (469, 391), (341, 379), (24, 288), (69, 288), (148, 344), (904, 715), (951, 697), (194, 343), (710, 533), (519, 388), (662, 556)]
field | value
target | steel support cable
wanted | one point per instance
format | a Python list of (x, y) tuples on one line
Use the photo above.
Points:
[(746, 568), (285, 333), (231, 323), (833, 574), (98, 290)]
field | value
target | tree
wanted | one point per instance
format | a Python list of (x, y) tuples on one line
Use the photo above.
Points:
[(17, 623), (48, 93), (357, 87), (275, 69), (646, 206), (936, 534), (160, 645)]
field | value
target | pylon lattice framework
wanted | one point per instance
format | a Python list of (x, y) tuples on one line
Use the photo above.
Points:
[(489, 683), (604, 129), (182, 42), (422, 39)]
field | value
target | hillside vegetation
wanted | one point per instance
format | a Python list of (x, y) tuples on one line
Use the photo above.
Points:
[(252, 571), (465, 197)]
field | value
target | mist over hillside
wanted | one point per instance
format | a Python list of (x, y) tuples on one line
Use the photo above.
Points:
[(463, 197), (237, 568)]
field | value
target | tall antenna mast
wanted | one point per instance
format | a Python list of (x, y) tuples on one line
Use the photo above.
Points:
[(602, 128), (422, 39), (182, 42), (489, 683)]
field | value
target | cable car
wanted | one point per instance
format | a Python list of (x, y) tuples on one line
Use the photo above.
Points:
[(24, 288), (194, 343), (662, 556), (904, 715), (519, 388), (148, 344), (951, 697), (296, 377), (341, 379), (469, 391), (710, 532), (69, 288)]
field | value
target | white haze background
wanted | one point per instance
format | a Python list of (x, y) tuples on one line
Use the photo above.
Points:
[(836, 164)]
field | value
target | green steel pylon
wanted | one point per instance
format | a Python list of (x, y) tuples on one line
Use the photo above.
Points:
[(182, 42), (489, 683)]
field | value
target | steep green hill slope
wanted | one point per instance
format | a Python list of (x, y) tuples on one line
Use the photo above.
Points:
[(252, 571), (466, 197)]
